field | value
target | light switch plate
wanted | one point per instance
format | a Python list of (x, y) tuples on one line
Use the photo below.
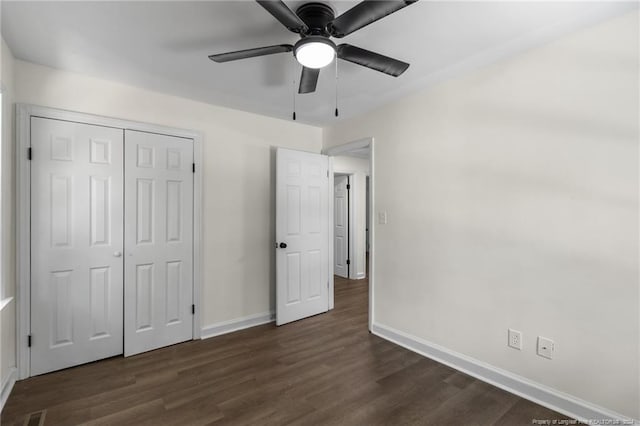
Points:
[(382, 218)]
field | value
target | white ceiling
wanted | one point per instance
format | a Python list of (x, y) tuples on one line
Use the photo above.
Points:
[(164, 45)]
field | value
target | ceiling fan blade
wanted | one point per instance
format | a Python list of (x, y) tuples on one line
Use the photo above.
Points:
[(371, 60), (363, 14), (308, 80), (282, 13), (251, 53)]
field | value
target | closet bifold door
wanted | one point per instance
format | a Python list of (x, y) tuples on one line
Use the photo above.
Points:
[(158, 241), (76, 244)]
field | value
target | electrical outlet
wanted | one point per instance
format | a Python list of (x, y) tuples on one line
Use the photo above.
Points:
[(545, 347), (515, 339)]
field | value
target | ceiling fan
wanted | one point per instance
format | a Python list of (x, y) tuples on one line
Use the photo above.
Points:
[(316, 24)]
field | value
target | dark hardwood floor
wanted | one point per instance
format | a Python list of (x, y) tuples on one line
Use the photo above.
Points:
[(322, 370)]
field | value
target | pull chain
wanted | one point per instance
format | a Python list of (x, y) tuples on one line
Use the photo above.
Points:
[(336, 60), (294, 90)]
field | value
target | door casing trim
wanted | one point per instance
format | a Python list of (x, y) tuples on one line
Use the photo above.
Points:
[(24, 112)]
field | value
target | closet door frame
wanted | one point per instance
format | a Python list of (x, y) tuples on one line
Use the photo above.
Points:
[(24, 112)]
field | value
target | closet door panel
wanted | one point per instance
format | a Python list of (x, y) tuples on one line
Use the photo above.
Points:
[(76, 243), (158, 241)]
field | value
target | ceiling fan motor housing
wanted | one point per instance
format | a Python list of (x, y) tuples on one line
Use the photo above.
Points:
[(317, 16)]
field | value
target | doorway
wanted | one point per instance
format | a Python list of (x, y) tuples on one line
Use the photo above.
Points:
[(354, 161), (341, 225)]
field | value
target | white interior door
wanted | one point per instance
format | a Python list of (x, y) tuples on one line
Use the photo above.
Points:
[(341, 226), (159, 241), (76, 244), (302, 232)]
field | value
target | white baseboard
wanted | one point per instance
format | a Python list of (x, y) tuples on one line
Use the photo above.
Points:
[(525, 388), (361, 276), (230, 326), (7, 386)]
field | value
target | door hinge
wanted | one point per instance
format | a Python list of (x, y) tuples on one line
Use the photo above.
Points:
[(193, 309), (348, 187), (29, 153), (194, 167), (29, 340), (327, 172), (348, 261)]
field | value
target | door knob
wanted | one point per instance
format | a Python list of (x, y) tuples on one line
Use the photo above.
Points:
[(283, 245), (117, 254)]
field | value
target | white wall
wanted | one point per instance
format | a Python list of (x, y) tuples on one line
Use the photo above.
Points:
[(7, 232), (238, 166), (359, 168), (512, 200)]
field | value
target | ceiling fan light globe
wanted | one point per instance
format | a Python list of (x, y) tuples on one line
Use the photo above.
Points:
[(315, 52)]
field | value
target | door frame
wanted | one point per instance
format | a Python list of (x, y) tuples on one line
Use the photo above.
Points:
[(367, 142), (24, 112), (351, 218)]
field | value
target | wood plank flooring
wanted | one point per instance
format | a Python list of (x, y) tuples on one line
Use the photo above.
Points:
[(324, 370)]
